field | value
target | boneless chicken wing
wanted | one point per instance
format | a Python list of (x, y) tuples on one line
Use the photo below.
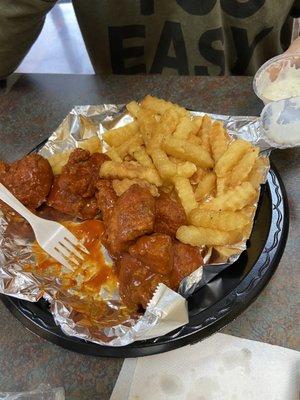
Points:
[(132, 217), (169, 215), (186, 260), (156, 251), (152, 260), (106, 197), (137, 281), (2, 167), (29, 179), (73, 191), (80, 174)]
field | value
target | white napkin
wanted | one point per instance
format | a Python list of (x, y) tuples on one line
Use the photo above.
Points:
[(221, 367)]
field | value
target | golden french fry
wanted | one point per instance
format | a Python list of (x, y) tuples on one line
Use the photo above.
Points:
[(165, 167), (221, 185), (198, 236), (231, 157), (128, 157), (155, 128), (195, 140), (219, 140), (185, 127), (129, 169), (167, 123), (147, 122), (221, 220), (142, 157), (175, 160), (115, 137), (160, 106), (205, 186), (167, 188), (57, 161), (243, 167), (198, 122), (205, 132), (121, 186), (92, 144), (129, 146), (186, 151), (224, 252), (133, 108), (249, 211), (206, 125), (233, 199), (257, 174), (113, 155), (246, 231), (186, 169), (198, 176), (185, 193)]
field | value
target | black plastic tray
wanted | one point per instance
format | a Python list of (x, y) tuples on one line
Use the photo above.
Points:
[(211, 307)]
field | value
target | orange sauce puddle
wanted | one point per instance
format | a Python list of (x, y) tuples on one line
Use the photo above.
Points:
[(86, 280), (94, 270)]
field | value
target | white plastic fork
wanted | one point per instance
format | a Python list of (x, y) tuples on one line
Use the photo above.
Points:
[(53, 237)]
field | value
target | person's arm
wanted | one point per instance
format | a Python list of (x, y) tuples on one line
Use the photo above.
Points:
[(21, 22)]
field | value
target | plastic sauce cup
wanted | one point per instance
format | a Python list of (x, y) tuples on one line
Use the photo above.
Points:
[(276, 69)]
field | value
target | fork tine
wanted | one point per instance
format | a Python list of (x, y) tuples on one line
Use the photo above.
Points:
[(74, 241), (66, 253), (60, 258), (71, 248)]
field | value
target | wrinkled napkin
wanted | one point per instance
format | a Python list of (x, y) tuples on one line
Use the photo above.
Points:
[(222, 367)]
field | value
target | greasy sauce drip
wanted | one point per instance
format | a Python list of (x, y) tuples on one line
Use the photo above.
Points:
[(93, 270), (86, 282)]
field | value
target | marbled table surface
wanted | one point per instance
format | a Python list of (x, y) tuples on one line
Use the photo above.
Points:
[(31, 107)]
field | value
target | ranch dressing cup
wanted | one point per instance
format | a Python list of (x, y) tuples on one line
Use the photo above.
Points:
[(280, 123), (277, 84), (278, 78)]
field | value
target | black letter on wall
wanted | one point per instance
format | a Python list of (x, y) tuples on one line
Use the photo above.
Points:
[(243, 9), (244, 50), (118, 53), (197, 7), (171, 33), (212, 55)]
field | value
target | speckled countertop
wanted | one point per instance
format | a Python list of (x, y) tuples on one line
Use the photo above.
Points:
[(30, 109)]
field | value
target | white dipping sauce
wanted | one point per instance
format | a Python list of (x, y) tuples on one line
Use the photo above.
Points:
[(287, 84), (281, 115), (278, 90), (282, 133)]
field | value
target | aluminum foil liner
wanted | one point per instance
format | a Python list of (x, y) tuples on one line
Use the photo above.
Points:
[(167, 310), (43, 392)]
